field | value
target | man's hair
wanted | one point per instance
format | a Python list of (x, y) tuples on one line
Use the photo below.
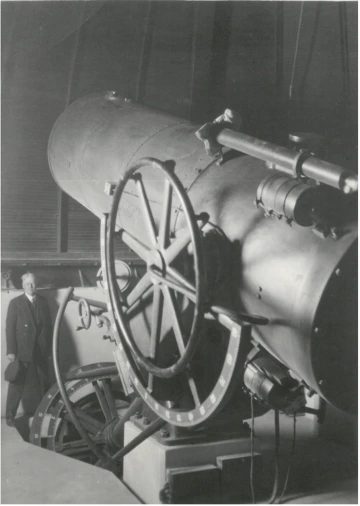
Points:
[(28, 275)]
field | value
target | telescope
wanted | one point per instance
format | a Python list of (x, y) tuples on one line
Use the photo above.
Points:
[(246, 301)]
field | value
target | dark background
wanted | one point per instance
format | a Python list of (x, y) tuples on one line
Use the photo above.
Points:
[(198, 58)]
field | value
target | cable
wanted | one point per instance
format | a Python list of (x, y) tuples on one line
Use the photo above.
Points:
[(296, 50), (277, 444), (143, 69), (345, 60), (290, 461), (274, 493), (252, 450), (306, 67)]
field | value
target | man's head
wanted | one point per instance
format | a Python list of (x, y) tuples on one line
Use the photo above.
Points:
[(29, 283)]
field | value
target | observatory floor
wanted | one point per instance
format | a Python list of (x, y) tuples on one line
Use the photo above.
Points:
[(31, 475), (322, 472)]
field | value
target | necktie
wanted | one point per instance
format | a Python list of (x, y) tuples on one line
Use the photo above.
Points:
[(34, 305)]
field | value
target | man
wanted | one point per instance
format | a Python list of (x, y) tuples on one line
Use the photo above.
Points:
[(28, 338)]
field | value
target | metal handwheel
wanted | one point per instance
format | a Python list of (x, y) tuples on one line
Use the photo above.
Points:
[(162, 279), (84, 313)]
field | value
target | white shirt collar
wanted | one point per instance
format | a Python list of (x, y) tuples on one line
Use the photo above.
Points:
[(30, 297)]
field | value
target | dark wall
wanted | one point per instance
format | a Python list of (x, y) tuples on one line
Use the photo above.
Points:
[(319, 99), (38, 39), (201, 58)]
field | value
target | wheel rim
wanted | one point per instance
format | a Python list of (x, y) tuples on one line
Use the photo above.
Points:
[(161, 277)]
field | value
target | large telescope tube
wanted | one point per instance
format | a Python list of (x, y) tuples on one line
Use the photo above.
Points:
[(305, 284)]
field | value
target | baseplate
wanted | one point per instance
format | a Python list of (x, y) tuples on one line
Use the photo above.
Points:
[(148, 467)]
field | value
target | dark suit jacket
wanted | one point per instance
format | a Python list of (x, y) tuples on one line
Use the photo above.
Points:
[(21, 328)]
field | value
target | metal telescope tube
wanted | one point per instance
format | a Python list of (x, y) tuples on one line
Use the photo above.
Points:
[(305, 285), (289, 161)]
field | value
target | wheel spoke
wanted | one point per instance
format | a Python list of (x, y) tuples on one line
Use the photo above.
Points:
[(172, 308), (177, 247), (79, 444), (137, 305), (193, 388), (137, 246), (102, 401), (190, 294), (148, 216), (156, 320), (106, 384), (139, 290), (164, 231), (92, 425), (89, 419), (179, 244), (180, 278), (178, 288)]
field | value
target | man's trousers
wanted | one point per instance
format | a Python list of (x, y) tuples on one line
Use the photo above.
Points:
[(16, 388)]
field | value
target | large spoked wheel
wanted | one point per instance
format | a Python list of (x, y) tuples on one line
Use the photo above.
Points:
[(98, 401), (163, 280)]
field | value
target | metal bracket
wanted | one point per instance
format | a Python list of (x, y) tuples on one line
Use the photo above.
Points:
[(208, 132), (121, 366), (109, 188), (229, 318)]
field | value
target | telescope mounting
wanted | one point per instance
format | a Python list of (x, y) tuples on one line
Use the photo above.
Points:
[(172, 291)]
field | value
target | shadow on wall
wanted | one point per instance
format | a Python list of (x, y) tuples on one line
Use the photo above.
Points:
[(77, 348)]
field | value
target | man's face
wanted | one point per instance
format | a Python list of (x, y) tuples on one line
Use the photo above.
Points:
[(29, 285)]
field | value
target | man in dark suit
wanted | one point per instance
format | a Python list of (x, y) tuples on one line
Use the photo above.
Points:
[(28, 338)]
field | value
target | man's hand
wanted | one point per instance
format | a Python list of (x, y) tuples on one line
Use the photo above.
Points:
[(11, 357)]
